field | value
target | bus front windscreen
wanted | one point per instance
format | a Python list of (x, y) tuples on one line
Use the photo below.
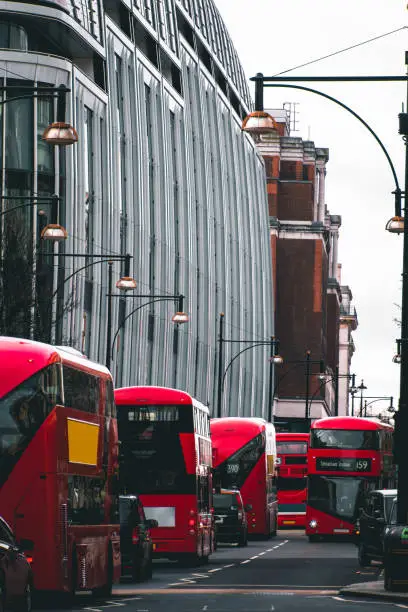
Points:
[(151, 454), (344, 439), (22, 412), (232, 473), (337, 496)]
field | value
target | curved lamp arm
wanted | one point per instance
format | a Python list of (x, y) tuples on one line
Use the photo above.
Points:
[(162, 299), (92, 263), (347, 108), (260, 343)]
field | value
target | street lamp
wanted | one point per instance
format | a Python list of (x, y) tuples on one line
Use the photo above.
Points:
[(361, 387), (378, 398), (397, 356), (124, 283), (274, 358), (324, 381), (396, 223), (178, 318), (307, 362)]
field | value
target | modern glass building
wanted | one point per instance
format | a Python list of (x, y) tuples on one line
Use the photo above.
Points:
[(161, 171)]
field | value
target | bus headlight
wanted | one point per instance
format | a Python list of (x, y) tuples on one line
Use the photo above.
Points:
[(313, 524)]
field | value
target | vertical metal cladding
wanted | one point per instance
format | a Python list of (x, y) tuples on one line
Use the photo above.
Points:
[(162, 171)]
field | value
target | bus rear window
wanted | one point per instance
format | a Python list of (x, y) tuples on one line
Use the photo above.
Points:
[(344, 439), (291, 448), (152, 414)]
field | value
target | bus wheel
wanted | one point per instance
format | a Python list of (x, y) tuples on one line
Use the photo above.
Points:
[(106, 589)]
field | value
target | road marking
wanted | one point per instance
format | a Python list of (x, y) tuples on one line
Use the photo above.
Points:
[(116, 604), (275, 547), (401, 606), (255, 557), (262, 553), (217, 569), (230, 565), (205, 607), (200, 575), (130, 598), (269, 549), (93, 609), (247, 561)]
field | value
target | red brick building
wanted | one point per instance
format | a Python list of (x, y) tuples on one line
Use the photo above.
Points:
[(308, 294)]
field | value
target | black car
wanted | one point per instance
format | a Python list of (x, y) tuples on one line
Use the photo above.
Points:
[(15, 573), (231, 523), (136, 545), (379, 510)]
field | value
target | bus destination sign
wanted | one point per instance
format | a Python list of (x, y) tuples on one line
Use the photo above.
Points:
[(343, 464)]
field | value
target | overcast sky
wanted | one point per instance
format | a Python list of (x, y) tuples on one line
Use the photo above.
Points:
[(271, 37)]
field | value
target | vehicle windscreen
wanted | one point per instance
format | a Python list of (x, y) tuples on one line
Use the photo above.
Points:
[(291, 448), (344, 439), (151, 453), (339, 497), (389, 507), (22, 412), (224, 501), (232, 473)]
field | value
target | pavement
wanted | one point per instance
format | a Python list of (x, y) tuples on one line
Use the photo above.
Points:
[(374, 589)]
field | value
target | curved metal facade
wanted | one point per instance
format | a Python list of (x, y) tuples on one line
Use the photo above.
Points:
[(161, 171)]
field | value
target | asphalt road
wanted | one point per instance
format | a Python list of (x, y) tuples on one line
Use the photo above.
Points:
[(282, 574)]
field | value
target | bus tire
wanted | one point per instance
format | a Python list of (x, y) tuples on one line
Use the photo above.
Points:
[(363, 559), (106, 589), (243, 538)]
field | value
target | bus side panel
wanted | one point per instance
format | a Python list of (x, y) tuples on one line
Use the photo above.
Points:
[(178, 530), (254, 492), (28, 503)]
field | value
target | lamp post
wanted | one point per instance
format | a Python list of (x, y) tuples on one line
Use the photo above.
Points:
[(396, 225), (124, 283), (178, 318), (374, 399), (335, 380), (275, 358), (361, 387), (307, 362)]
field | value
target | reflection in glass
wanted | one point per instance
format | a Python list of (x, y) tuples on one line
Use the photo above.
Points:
[(344, 439)]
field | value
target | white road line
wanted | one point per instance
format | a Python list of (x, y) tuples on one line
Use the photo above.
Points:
[(255, 557), (129, 598), (401, 606), (275, 547), (230, 565), (93, 609), (247, 561), (262, 553), (115, 604), (200, 575), (188, 580), (217, 569), (269, 549), (205, 607)]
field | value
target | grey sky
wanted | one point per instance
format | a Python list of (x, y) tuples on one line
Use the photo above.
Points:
[(271, 37)]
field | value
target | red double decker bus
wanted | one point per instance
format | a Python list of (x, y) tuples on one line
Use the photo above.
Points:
[(165, 458), (291, 449), (244, 457), (347, 457), (58, 464)]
